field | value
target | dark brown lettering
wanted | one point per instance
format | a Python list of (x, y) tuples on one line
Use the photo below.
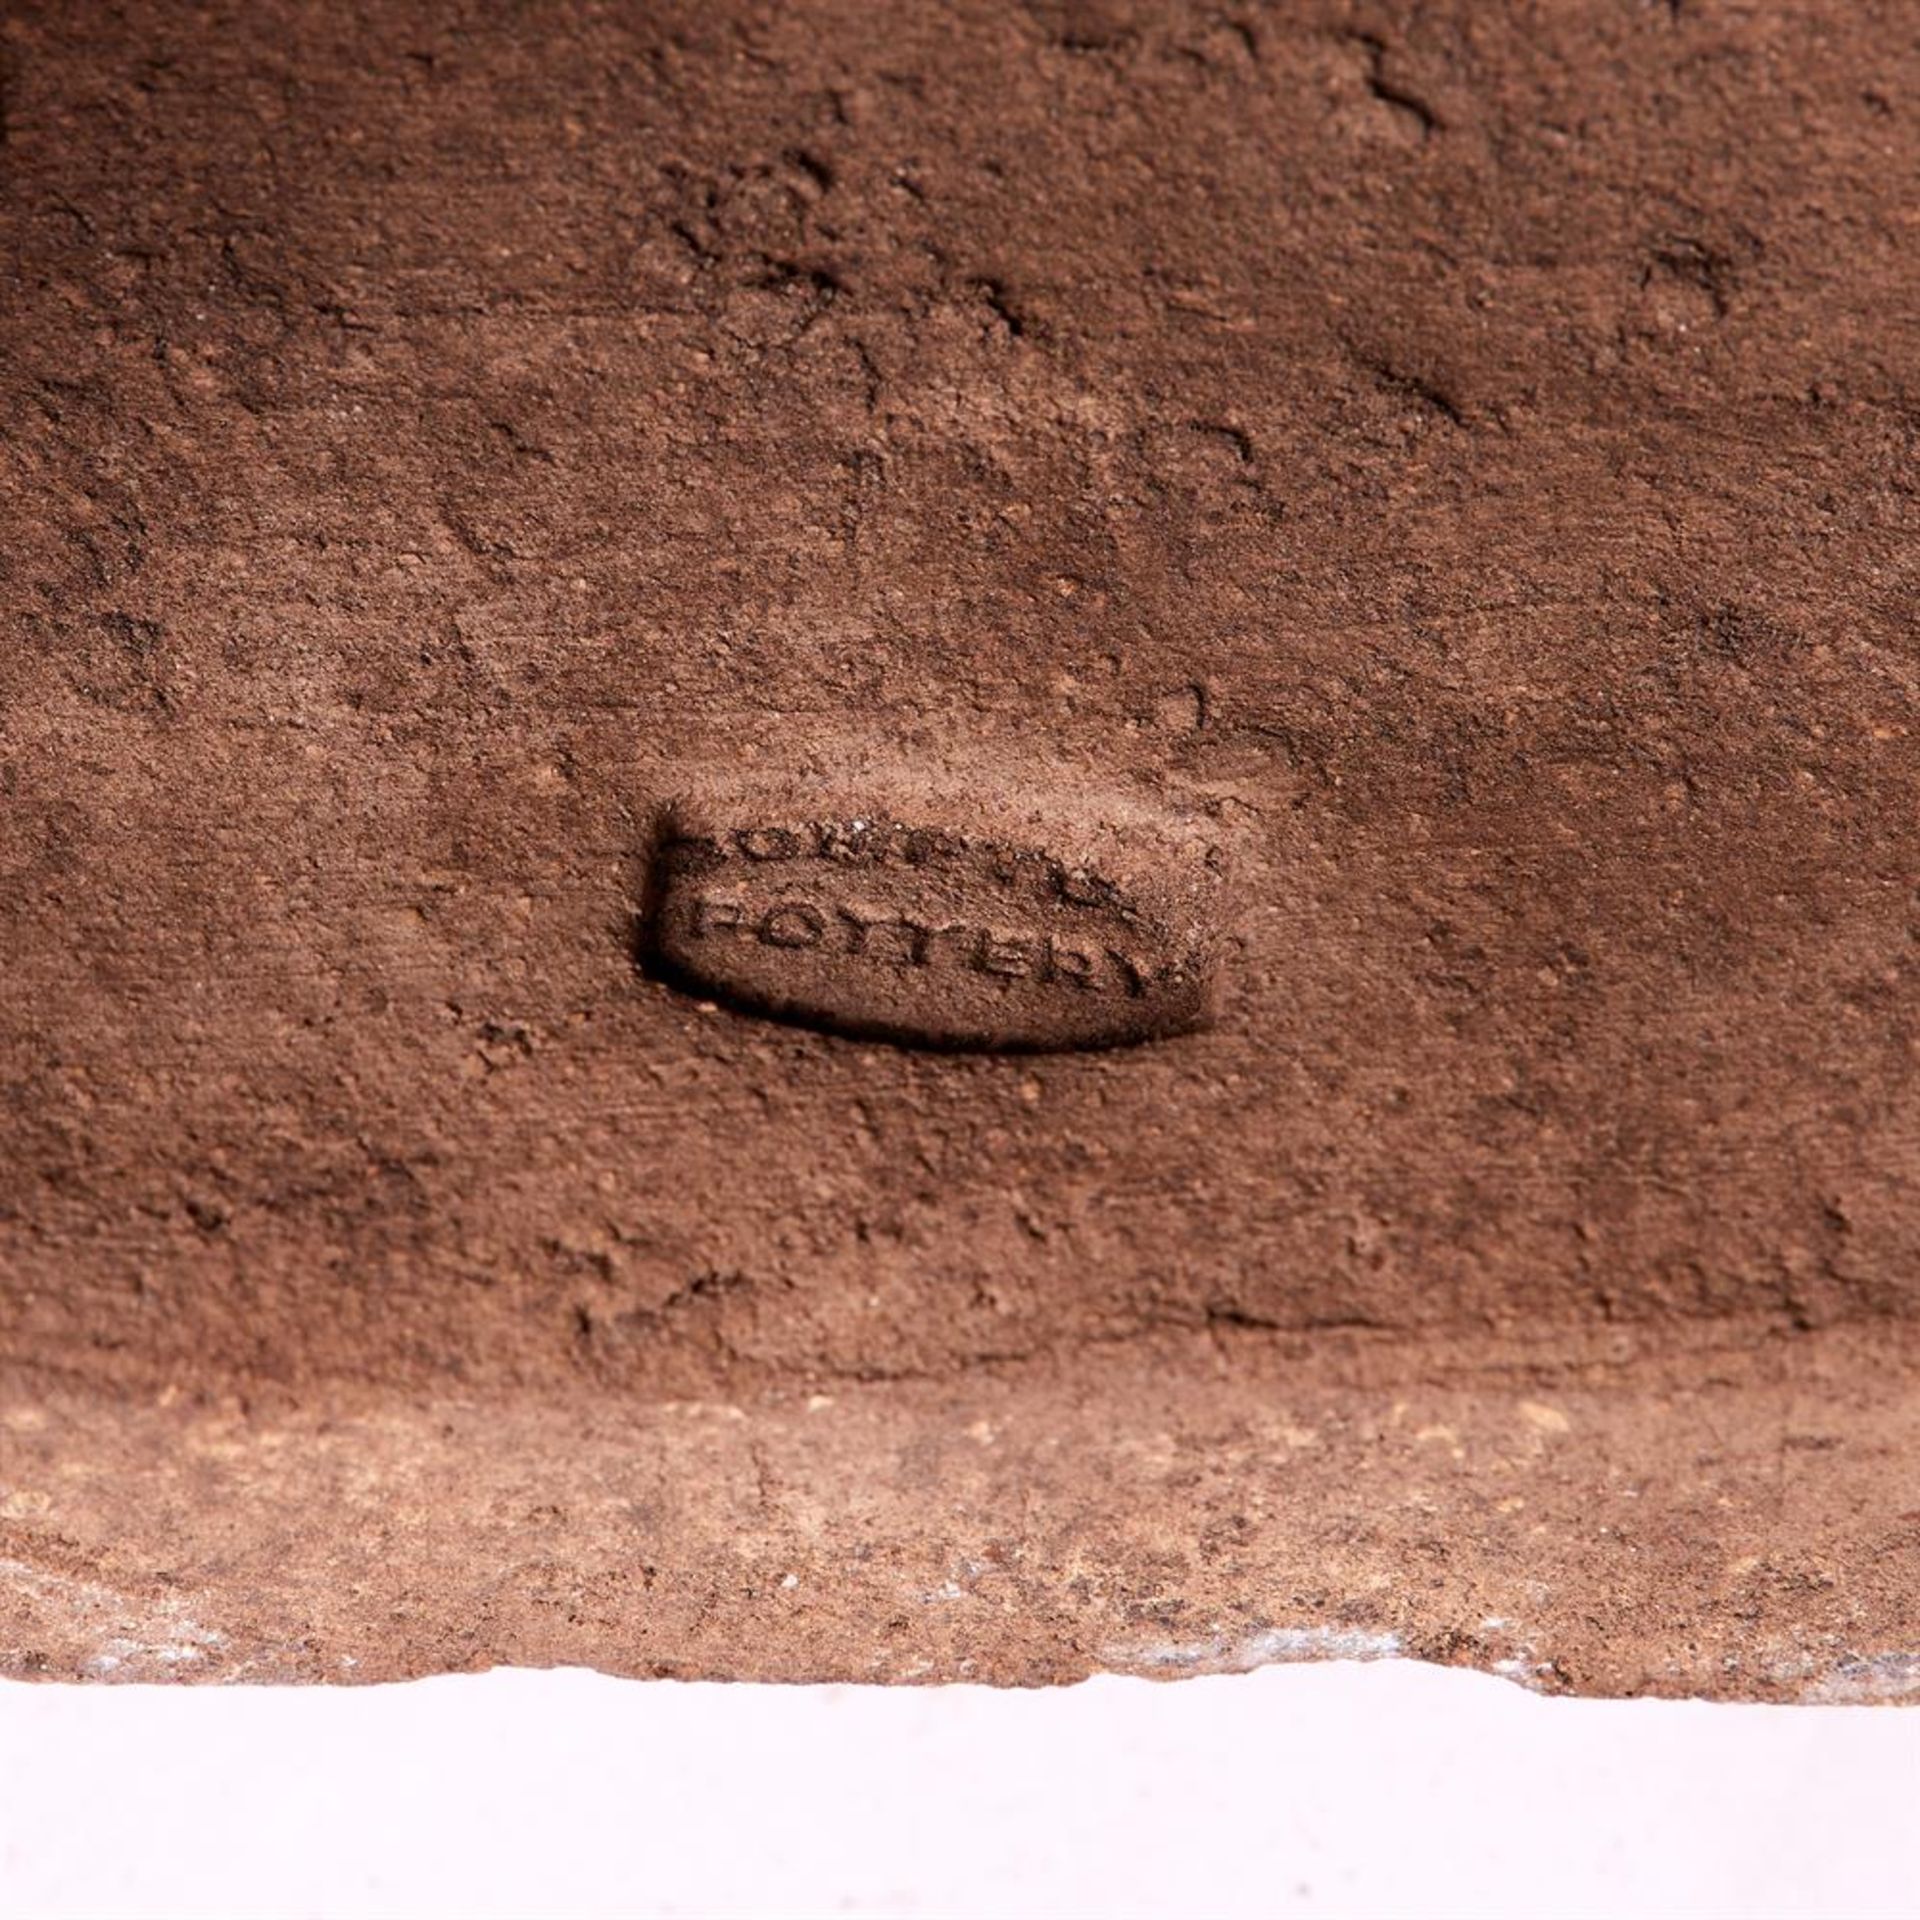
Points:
[(715, 913), (1010, 955), (1073, 964), (768, 843), (793, 923)]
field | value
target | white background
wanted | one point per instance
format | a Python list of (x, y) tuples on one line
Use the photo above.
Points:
[(1333, 1789)]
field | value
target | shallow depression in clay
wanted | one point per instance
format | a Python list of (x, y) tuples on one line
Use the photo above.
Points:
[(932, 935)]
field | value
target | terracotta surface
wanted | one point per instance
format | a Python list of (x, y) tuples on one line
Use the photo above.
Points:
[(1418, 503)]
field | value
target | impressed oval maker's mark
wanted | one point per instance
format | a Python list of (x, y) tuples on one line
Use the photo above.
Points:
[(932, 934)]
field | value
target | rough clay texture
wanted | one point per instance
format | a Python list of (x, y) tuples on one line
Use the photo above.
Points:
[(1465, 454)]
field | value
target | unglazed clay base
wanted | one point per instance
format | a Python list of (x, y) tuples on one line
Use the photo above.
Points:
[(971, 840)]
